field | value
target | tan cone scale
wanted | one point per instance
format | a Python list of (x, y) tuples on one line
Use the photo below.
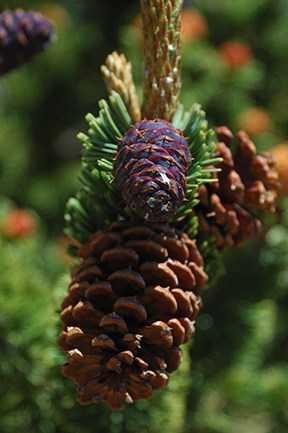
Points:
[(247, 183), (131, 304)]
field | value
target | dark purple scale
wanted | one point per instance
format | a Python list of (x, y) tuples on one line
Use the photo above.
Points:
[(22, 36), (151, 167)]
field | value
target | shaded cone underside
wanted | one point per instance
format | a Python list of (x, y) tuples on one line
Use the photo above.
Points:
[(132, 302), (151, 169), (247, 186)]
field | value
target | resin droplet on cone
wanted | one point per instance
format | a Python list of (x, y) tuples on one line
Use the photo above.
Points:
[(151, 167), (131, 304)]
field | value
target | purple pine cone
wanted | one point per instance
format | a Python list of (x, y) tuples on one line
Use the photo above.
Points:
[(151, 167), (22, 36)]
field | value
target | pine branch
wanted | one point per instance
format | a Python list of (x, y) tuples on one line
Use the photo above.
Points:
[(117, 73), (162, 57)]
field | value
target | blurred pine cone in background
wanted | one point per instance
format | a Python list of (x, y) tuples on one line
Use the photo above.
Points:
[(151, 167), (247, 184), (22, 36), (132, 302)]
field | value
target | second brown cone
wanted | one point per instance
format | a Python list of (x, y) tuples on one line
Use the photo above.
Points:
[(246, 186), (131, 304)]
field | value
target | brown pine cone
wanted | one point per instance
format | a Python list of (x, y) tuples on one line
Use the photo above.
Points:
[(132, 302), (247, 183)]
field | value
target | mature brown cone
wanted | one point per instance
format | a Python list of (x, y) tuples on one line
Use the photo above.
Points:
[(247, 183), (132, 302)]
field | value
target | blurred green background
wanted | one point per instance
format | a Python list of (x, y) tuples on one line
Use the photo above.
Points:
[(234, 377)]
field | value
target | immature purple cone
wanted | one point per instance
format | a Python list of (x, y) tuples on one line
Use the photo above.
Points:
[(22, 36), (151, 166)]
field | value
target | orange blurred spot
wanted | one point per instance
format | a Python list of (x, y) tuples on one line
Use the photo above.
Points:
[(280, 153), (19, 223), (193, 26), (236, 54), (254, 121), (56, 13)]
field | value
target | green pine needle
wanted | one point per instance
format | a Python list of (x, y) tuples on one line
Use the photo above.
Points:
[(201, 145), (99, 200)]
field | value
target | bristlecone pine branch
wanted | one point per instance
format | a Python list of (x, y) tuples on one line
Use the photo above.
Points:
[(131, 304), (148, 190), (247, 186), (22, 36), (162, 57), (117, 73)]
